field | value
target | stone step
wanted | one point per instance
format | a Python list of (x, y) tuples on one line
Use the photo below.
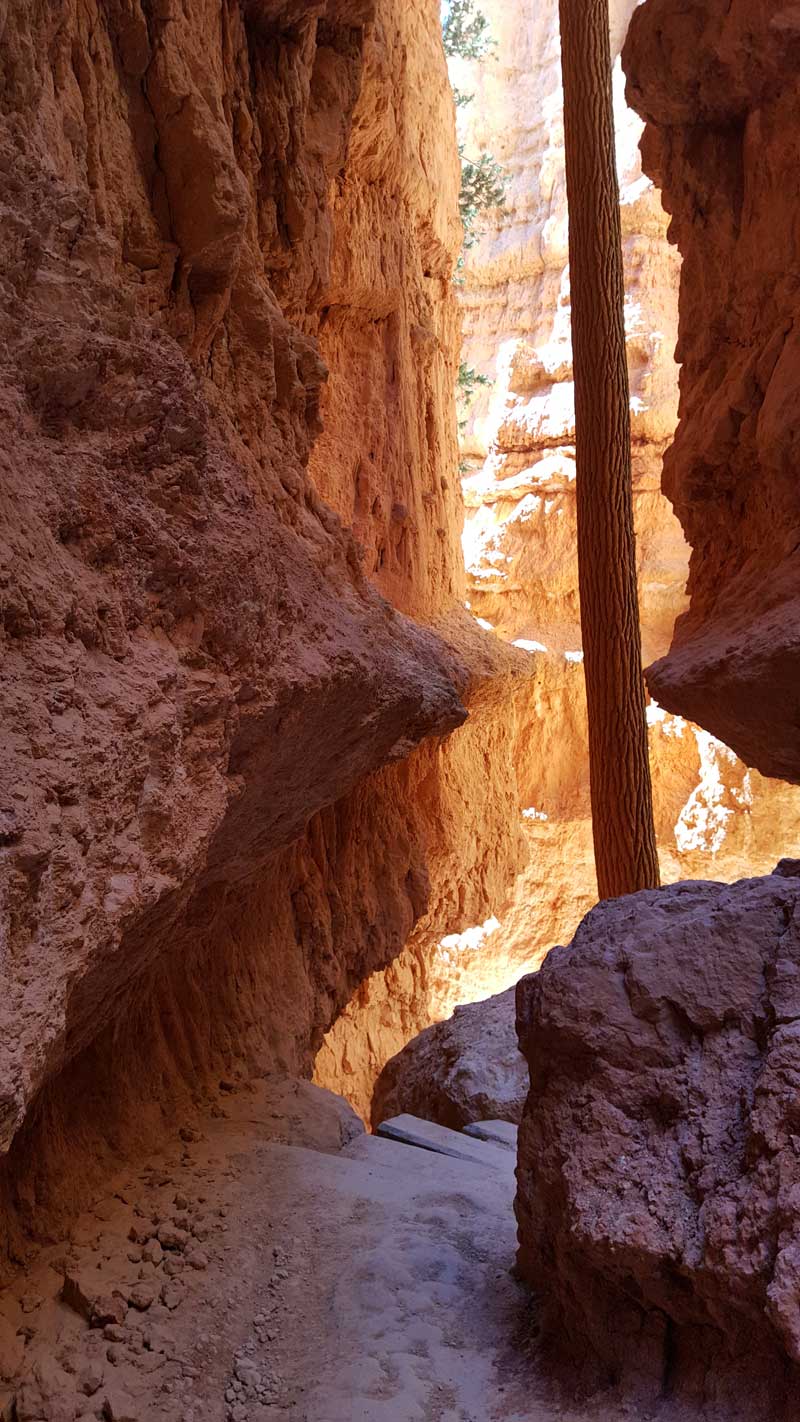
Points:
[(393, 1159), (502, 1133), (425, 1135)]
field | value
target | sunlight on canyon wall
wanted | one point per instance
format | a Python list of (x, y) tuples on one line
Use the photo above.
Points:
[(714, 818)]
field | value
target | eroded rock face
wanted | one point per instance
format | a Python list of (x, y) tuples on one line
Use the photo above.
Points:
[(714, 818), (463, 798), (466, 1069), (519, 442), (718, 85), (210, 827), (659, 1177)]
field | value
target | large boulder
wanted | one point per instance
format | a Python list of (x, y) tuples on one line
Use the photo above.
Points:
[(466, 1069), (659, 1159)]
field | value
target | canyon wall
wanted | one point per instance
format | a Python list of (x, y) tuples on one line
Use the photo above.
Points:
[(715, 818), (657, 1176), (718, 85), (228, 792)]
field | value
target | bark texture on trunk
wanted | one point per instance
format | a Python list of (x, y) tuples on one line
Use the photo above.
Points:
[(622, 812)]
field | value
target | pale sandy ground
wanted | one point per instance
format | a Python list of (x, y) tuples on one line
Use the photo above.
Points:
[(337, 1282)]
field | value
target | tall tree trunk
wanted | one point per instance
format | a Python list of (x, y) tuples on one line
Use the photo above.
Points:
[(622, 805)]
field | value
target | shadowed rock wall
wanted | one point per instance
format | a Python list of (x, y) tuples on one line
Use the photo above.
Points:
[(210, 827), (718, 85)]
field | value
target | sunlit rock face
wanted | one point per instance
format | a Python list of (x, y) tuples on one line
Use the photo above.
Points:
[(519, 441), (714, 817)]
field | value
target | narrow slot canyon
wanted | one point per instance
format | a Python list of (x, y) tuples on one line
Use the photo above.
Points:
[(329, 1090)]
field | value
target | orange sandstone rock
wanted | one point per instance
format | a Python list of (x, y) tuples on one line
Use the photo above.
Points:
[(210, 831), (714, 817)]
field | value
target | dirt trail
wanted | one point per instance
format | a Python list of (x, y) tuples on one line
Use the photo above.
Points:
[(278, 1264)]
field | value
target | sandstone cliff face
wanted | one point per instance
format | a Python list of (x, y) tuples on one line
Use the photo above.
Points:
[(389, 329), (203, 850), (718, 85), (658, 1175), (462, 799), (714, 817)]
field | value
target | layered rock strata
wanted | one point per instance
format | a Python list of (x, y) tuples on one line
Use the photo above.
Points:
[(519, 438), (718, 86), (715, 818), (210, 827), (658, 1178)]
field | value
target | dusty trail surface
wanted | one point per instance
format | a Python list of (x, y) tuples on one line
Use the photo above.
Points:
[(279, 1264)]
